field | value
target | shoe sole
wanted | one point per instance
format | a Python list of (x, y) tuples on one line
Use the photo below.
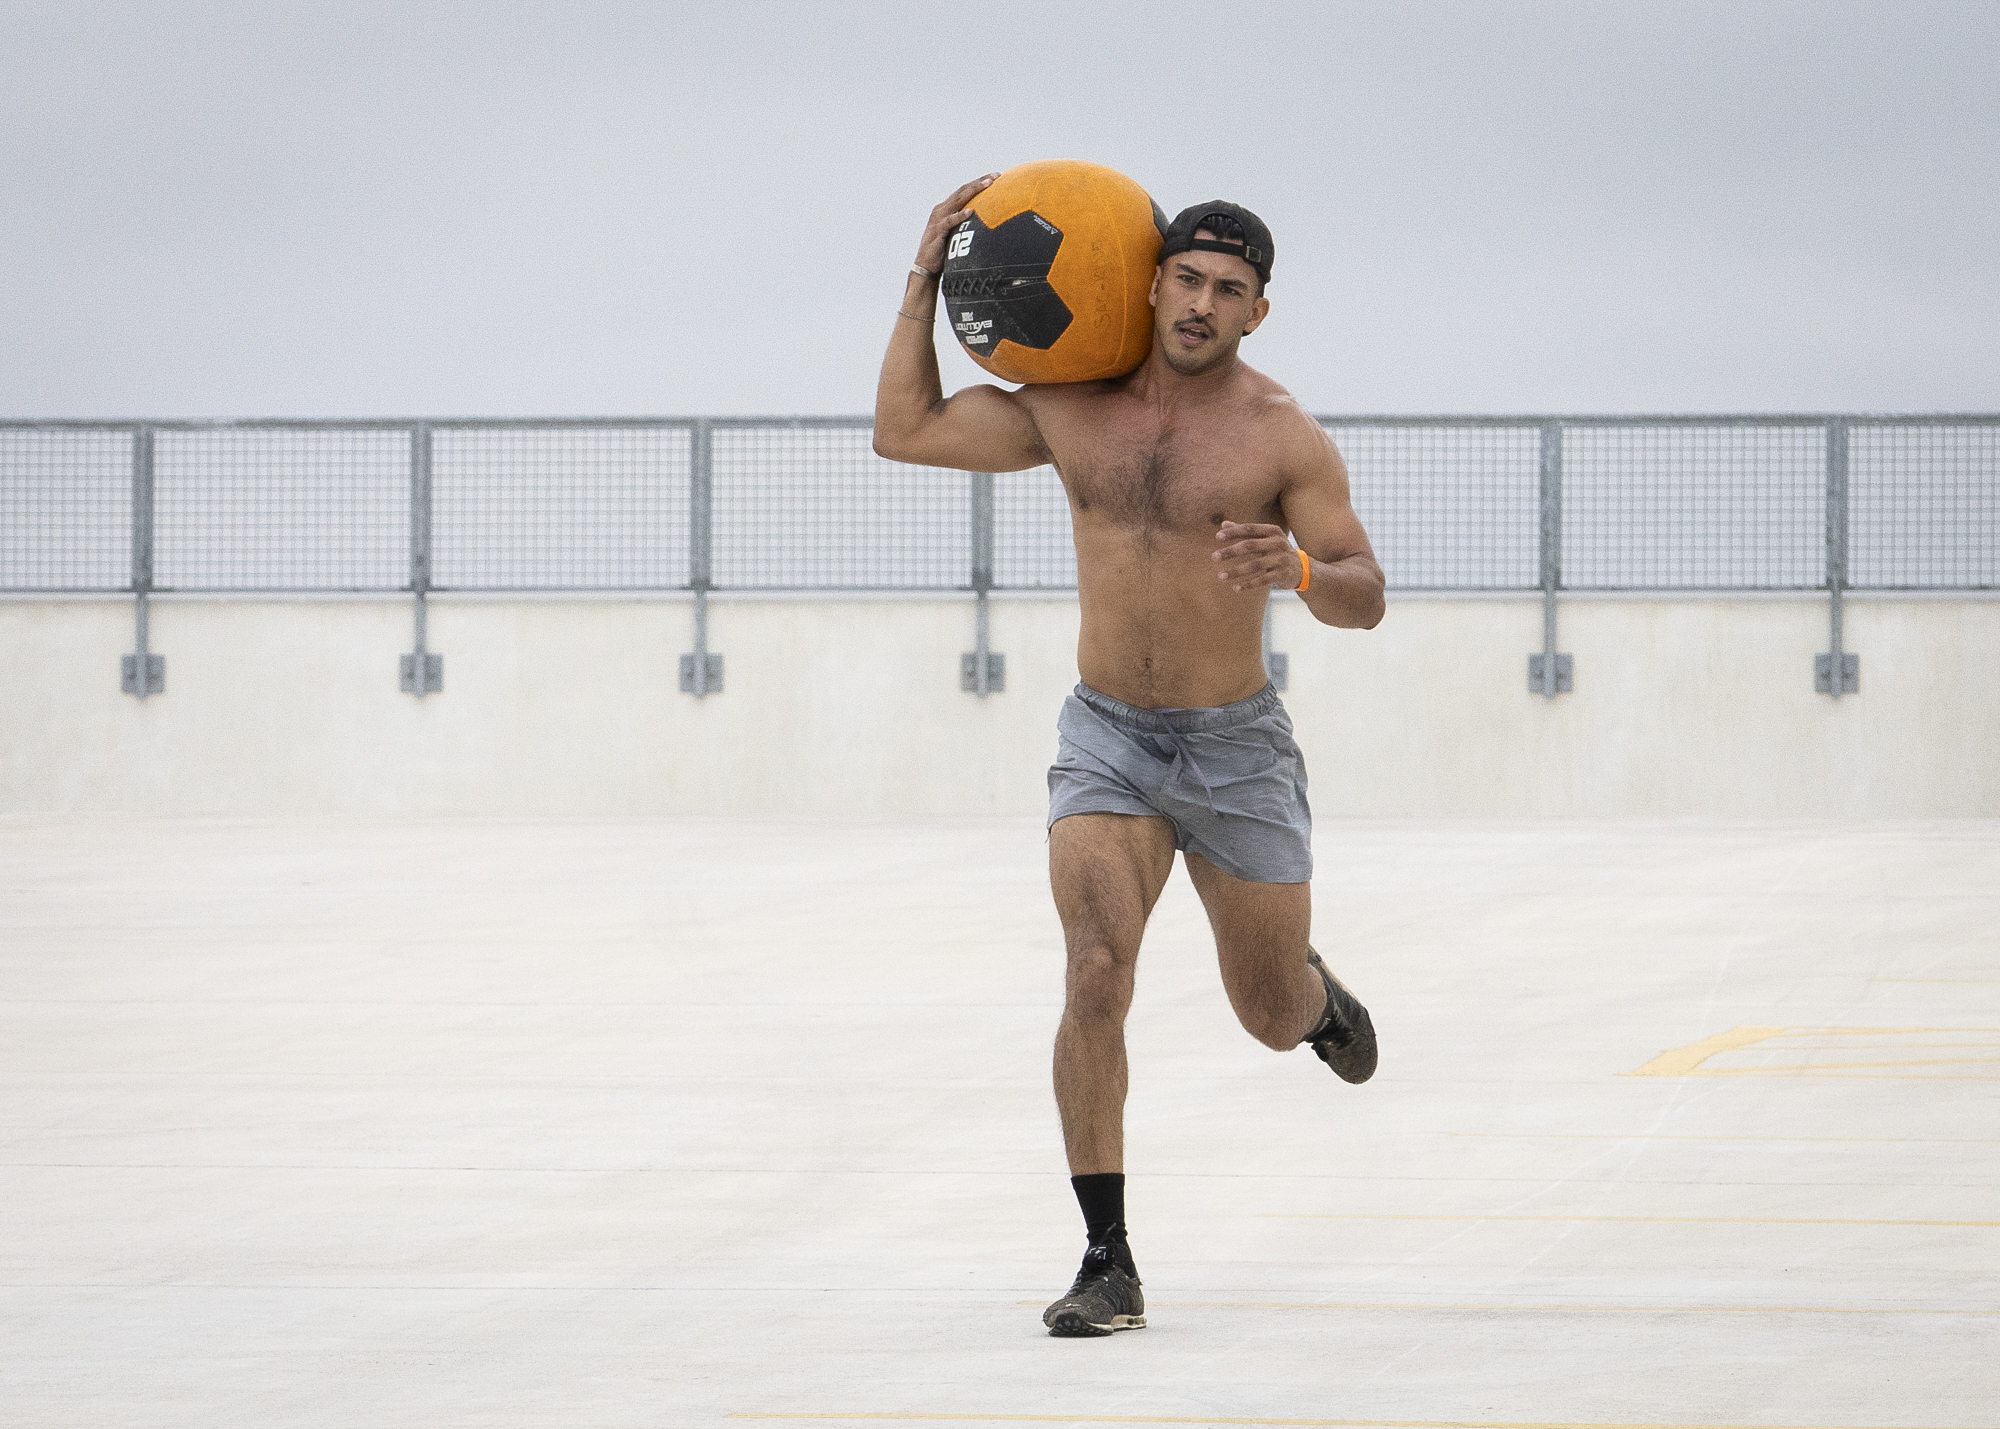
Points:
[(1071, 1326)]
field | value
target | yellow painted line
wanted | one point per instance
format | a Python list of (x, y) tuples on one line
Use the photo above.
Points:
[(1878, 1031), (886, 1416), (1551, 1309), (1682, 1060), (1686, 1061), (1647, 1220), (1697, 1136), (1988, 1046), (1794, 1069), (1846, 1076)]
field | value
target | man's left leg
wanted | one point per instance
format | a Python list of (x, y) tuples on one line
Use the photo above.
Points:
[(1260, 940), (1282, 993)]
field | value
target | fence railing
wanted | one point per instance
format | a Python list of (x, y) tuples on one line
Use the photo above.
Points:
[(1469, 504)]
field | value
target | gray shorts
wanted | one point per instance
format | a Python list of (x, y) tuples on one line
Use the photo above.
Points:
[(1229, 780)]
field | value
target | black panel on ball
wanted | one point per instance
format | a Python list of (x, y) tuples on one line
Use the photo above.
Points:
[(997, 285)]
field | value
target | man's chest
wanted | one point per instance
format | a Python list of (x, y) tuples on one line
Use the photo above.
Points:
[(1144, 474)]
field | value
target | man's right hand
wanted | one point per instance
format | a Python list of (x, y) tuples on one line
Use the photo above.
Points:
[(944, 218)]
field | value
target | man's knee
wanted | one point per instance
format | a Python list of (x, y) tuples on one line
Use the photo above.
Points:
[(1276, 1027), (1098, 987), (1269, 992)]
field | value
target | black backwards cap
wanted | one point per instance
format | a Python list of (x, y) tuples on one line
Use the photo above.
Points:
[(1255, 249)]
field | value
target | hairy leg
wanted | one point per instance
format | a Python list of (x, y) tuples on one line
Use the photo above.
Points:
[(1260, 941), (1107, 871)]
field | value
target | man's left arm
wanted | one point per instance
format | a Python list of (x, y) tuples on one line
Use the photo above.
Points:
[(1345, 585)]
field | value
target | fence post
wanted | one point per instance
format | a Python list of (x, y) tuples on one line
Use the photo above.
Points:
[(980, 670), (1836, 661), (1549, 673), (142, 673), (1277, 664), (701, 671), (420, 671)]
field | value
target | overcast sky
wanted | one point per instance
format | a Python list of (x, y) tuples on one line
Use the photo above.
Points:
[(415, 208)]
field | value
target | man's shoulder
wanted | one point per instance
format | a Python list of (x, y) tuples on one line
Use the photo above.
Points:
[(1066, 413), (1264, 392), (1292, 436), (1274, 409), (1068, 396)]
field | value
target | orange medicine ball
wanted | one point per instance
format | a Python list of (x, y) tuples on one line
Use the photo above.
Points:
[(1047, 281)]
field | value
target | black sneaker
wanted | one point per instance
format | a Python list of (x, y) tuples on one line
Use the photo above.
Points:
[(1104, 1298), (1345, 1041)]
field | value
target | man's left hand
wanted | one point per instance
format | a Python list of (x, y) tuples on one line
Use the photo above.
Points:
[(1252, 556)]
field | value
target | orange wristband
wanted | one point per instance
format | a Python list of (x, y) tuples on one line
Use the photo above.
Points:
[(1305, 571)]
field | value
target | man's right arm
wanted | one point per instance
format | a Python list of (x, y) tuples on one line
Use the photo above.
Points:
[(982, 428)]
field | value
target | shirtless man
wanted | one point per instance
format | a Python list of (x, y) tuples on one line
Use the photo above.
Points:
[(1183, 479)]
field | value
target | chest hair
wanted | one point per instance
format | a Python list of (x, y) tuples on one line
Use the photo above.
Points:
[(1155, 489)]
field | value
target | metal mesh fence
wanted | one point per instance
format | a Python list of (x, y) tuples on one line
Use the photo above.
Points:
[(1451, 504), (813, 508), (1448, 506), (1923, 506), (560, 508), (1031, 534), (1692, 507), (65, 510), (286, 509)]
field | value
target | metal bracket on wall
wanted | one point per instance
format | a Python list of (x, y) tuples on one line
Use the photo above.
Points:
[(142, 673), (710, 669), (1850, 674), (1277, 664), (981, 670), (995, 671), (420, 672), (1551, 673), (156, 675), (433, 673), (154, 665), (1538, 676), (1848, 664), (701, 671), (420, 659)]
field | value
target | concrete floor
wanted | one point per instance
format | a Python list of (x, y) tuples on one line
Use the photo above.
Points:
[(686, 1123)]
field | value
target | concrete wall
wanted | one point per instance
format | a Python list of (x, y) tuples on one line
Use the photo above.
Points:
[(1682, 707)]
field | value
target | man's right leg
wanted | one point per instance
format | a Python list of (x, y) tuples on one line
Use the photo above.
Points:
[(1107, 871)]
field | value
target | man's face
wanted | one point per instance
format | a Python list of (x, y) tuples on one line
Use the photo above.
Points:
[(1203, 305)]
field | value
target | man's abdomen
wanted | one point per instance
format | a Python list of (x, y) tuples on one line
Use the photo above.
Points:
[(1161, 632)]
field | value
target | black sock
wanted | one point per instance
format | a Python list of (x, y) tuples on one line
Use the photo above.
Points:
[(1102, 1197)]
